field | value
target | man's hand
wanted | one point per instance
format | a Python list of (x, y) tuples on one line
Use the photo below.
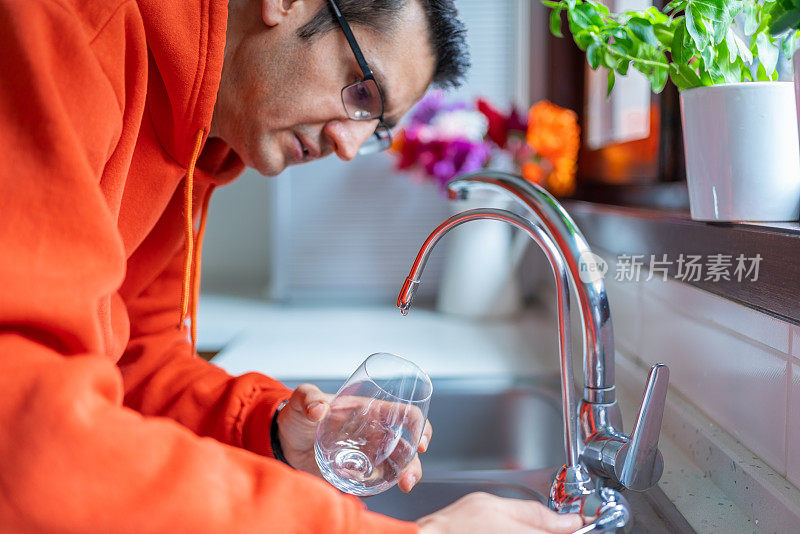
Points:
[(297, 427), (482, 513)]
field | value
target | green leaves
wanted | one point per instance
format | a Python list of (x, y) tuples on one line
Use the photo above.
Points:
[(598, 7), (696, 28), (655, 16), (610, 59), (555, 22), (737, 47), (789, 45), (785, 16), (555, 17), (730, 45), (681, 47), (684, 77), (593, 55), (658, 79), (691, 42), (750, 18), (786, 21), (767, 52), (611, 80), (585, 15), (664, 34), (584, 38), (761, 74), (643, 29), (675, 6), (707, 21), (724, 68)]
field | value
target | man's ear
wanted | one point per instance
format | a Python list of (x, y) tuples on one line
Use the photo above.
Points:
[(273, 12)]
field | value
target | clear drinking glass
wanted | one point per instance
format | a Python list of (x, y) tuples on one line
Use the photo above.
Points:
[(372, 430)]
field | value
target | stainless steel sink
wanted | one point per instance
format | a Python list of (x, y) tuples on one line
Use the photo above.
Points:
[(429, 496), (490, 424), (500, 436)]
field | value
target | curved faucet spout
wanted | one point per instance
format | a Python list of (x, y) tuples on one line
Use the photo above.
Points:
[(630, 461), (598, 366), (605, 452), (562, 290)]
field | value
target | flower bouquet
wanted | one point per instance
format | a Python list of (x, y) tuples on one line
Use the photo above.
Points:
[(446, 139)]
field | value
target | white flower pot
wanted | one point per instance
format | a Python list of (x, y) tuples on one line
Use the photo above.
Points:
[(742, 151), (796, 67), (480, 278)]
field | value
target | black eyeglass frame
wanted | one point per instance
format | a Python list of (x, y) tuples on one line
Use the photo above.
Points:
[(382, 132)]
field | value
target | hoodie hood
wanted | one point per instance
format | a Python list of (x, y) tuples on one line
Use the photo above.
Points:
[(182, 95)]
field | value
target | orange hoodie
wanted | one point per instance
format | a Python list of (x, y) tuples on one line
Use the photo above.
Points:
[(108, 420)]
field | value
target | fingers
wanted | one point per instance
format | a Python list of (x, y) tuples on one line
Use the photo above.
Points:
[(540, 516), (487, 513), (409, 478), (310, 401), (425, 440), (413, 474)]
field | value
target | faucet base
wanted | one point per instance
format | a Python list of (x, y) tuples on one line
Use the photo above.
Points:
[(571, 485), (599, 417), (573, 492)]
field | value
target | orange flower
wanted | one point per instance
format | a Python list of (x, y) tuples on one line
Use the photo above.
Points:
[(561, 181), (554, 135), (553, 131), (533, 172), (397, 142)]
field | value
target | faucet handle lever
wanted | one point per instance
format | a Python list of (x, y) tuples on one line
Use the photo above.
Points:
[(642, 464)]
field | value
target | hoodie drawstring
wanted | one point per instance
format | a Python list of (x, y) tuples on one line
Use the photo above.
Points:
[(192, 255), (198, 266)]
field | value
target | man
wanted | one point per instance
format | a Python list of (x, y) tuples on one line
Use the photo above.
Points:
[(117, 120)]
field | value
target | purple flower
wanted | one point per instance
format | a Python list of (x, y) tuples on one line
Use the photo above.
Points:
[(442, 146), (446, 159), (432, 104)]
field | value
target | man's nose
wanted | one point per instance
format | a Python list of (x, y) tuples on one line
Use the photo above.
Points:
[(347, 136)]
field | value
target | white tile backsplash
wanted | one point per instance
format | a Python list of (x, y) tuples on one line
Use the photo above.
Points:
[(794, 339), (734, 317), (624, 299), (793, 427), (738, 383)]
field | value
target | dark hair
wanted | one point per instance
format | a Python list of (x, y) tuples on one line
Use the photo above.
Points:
[(446, 32)]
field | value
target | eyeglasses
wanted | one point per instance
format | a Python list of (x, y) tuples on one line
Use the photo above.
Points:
[(363, 100)]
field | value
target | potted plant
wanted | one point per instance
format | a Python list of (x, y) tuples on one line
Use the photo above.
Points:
[(742, 156), (785, 17)]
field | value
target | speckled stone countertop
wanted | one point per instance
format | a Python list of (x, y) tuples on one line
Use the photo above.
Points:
[(713, 480)]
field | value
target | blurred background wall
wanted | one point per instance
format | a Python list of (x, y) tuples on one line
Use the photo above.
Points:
[(348, 231)]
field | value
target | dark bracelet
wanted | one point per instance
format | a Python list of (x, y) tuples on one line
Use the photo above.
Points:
[(277, 449)]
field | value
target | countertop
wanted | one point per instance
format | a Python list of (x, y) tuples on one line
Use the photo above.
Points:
[(289, 342)]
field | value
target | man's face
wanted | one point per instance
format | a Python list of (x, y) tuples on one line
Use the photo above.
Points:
[(279, 102)]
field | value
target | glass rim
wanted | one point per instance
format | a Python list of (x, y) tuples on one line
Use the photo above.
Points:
[(420, 373)]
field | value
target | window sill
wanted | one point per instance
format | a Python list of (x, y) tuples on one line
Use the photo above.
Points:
[(637, 231)]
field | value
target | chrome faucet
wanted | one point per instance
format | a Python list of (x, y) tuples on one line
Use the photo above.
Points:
[(601, 453)]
